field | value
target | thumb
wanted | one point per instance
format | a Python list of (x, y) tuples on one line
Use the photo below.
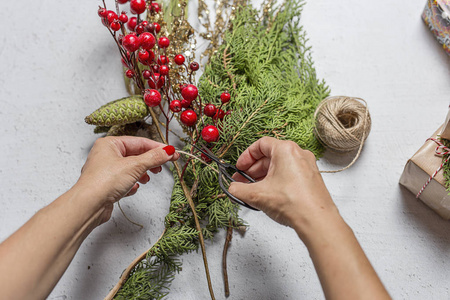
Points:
[(154, 158), (250, 193)]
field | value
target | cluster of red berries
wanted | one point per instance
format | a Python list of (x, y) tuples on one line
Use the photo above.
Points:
[(137, 43)]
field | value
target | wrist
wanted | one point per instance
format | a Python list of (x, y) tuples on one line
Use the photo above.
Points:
[(317, 227)]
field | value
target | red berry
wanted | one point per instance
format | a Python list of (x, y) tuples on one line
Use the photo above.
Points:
[(155, 68), (132, 22), (157, 27), (102, 12), (122, 1), (144, 23), (156, 81), (225, 97), (147, 40), (190, 92), (210, 110), (164, 70), (194, 66), (179, 59), (162, 60), (163, 42), (185, 103), (150, 28), (146, 74), (123, 18), (188, 117), (182, 86), (156, 7), (111, 16), (220, 114), (137, 6), (143, 56), (152, 98), (115, 25), (139, 29), (175, 106), (210, 134), (129, 73), (152, 56), (130, 42)]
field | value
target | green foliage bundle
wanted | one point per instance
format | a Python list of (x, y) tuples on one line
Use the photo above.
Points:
[(265, 64)]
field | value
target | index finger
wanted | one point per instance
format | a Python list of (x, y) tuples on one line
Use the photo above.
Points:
[(259, 149), (131, 145)]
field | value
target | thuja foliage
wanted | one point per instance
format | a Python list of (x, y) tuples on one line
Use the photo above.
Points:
[(446, 167), (266, 66)]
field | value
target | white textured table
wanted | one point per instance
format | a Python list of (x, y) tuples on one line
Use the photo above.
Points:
[(59, 64)]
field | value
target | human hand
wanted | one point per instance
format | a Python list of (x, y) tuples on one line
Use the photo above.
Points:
[(115, 165), (289, 187)]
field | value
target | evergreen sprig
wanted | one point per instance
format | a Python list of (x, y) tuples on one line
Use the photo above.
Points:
[(267, 67)]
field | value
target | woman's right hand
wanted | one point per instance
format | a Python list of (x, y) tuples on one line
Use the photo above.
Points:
[(289, 187)]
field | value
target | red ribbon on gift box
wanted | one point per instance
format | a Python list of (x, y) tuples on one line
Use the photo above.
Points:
[(441, 150)]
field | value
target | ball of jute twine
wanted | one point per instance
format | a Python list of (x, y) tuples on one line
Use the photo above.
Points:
[(342, 124)]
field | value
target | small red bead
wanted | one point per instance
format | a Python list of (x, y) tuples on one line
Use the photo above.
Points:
[(163, 42), (155, 68), (194, 66), (220, 114), (102, 12), (210, 110), (156, 81), (147, 40), (122, 1), (137, 6), (143, 56), (190, 92), (111, 16), (139, 29), (115, 25), (123, 18), (210, 134), (164, 70), (146, 74), (132, 22), (144, 23), (188, 117), (175, 106), (129, 73), (179, 59), (152, 98), (157, 27), (162, 60), (225, 97), (130, 42), (185, 103), (155, 7)]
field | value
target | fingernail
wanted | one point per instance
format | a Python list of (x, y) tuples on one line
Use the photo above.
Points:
[(170, 150)]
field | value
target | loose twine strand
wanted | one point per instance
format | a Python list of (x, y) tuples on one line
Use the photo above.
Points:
[(342, 124)]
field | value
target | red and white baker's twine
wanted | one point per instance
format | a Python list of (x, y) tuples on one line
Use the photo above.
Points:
[(441, 150)]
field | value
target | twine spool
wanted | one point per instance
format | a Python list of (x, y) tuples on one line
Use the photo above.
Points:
[(342, 124)]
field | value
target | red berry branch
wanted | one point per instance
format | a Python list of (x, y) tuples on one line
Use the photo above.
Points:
[(150, 62)]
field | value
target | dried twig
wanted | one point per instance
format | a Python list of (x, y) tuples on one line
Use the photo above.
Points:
[(224, 258)]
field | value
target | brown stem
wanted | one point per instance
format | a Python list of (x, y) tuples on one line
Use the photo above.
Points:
[(224, 259), (126, 273), (197, 226)]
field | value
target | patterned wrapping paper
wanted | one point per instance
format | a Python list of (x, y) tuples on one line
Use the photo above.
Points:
[(419, 169), (437, 16)]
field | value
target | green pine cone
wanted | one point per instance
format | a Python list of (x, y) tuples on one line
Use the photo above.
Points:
[(123, 111)]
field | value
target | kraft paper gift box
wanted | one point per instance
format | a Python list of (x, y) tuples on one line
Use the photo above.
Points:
[(418, 171), (437, 16)]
